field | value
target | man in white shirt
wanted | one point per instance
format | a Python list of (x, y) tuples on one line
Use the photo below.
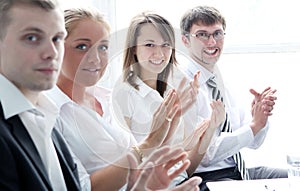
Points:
[(33, 154), (203, 30)]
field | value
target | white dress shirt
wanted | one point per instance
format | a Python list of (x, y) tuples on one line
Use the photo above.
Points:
[(223, 145), (97, 141), (39, 122), (139, 106)]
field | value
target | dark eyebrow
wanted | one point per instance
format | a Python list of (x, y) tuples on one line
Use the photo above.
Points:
[(204, 31), (38, 30), (83, 39)]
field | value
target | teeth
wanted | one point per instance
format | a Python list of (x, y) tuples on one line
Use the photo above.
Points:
[(156, 62), (210, 51), (91, 70)]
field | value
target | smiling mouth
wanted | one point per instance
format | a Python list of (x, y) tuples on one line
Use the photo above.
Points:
[(156, 62), (91, 69), (211, 52)]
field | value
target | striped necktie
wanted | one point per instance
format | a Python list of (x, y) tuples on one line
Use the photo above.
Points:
[(216, 95)]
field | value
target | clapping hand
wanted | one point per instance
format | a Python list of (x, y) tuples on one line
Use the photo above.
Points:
[(153, 174), (187, 96), (261, 108)]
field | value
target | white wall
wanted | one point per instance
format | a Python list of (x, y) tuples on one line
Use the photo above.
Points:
[(280, 71)]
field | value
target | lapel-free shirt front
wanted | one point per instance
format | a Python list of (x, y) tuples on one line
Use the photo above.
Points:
[(137, 105), (39, 122), (93, 139), (223, 145)]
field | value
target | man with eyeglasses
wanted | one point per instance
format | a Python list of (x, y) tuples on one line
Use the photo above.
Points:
[(203, 32)]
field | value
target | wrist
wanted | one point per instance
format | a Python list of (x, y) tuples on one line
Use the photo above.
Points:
[(138, 153)]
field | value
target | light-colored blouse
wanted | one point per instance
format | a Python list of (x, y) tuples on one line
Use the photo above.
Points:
[(97, 141)]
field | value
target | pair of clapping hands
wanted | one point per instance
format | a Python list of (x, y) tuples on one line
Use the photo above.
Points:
[(153, 173)]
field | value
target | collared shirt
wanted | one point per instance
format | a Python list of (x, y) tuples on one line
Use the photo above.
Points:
[(39, 121), (97, 141), (223, 145), (60, 99), (139, 106)]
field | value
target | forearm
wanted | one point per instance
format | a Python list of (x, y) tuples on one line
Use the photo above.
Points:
[(198, 152), (112, 177), (226, 145), (195, 159)]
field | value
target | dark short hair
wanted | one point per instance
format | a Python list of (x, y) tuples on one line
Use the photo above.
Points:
[(204, 15)]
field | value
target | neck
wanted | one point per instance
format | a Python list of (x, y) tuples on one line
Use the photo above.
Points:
[(208, 66), (150, 80), (32, 96), (73, 90)]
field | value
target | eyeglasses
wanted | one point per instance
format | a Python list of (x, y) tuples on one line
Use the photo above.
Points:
[(204, 36)]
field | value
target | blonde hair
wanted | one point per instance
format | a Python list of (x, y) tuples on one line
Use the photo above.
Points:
[(74, 15)]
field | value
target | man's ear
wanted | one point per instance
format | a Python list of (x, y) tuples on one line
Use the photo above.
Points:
[(185, 40)]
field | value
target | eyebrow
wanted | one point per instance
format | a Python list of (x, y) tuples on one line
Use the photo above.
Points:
[(154, 41), (205, 31), (33, 29), (89, 40), (38, 30)]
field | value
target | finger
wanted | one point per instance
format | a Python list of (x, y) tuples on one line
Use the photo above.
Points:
[(156, 155), (132, 172), (169, 97), (202, 127), (255, 93), (182, 84), (176, 154), (173, 159), (191, 184), (195, 83), (179, 170), (141, 182)]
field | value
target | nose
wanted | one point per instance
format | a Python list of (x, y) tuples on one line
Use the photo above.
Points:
[(51, 51), (211, 39), (93, 56), (158, 51)]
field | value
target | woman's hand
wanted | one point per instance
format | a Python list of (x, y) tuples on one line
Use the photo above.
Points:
[(153, 174), (164, 122), (187, 96)]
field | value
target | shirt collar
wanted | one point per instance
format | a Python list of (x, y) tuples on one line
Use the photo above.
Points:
[(57, 96), (191, 67), (99, 92), (144, 89), (12, 99), (14, 102)]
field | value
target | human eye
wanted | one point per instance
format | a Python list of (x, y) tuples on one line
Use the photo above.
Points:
[(150, 45), (82, 47), (202, 35), (166, 45), (32, 38), (218, 34), (58, 39), (103, 48)]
